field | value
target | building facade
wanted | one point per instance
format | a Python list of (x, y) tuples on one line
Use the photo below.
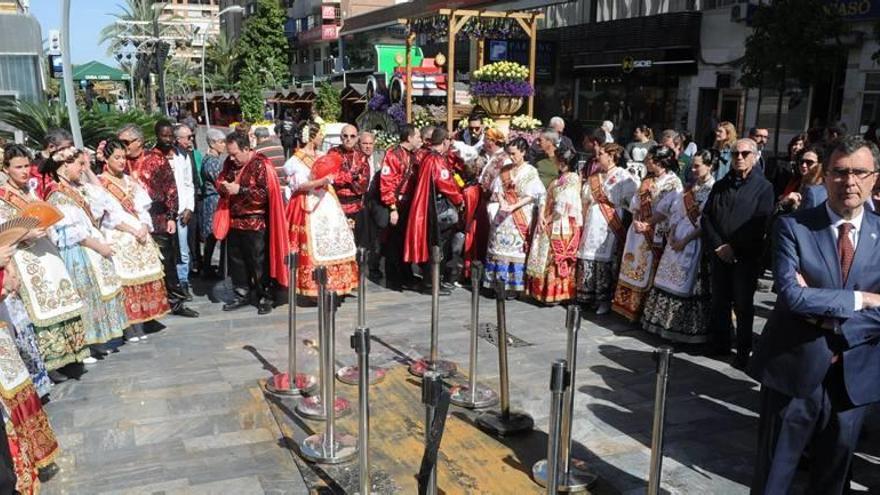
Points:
[(21, 50), (198, 17)]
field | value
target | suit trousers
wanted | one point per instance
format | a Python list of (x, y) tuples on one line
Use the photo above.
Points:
[(249, 262), (826, 421), (170, 254), (396, 271), (733, 284)]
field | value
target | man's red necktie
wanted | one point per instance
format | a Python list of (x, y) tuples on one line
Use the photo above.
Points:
[(845, 250)]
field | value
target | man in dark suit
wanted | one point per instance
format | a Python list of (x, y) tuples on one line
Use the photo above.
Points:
[(818, 360)]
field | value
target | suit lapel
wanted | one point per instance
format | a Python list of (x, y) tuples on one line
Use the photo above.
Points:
[(826, 245), (867, 246)]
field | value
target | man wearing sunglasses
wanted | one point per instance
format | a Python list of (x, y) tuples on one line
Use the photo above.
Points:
[(734, 223), (351, 183), (818, 360), (153, 171), (473, 135)]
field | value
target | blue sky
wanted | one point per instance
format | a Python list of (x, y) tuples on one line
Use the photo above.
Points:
[(87, 18)]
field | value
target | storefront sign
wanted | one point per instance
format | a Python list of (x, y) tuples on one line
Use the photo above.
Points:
[(328, 12), (628, 64), (327, 32), (855, 10)]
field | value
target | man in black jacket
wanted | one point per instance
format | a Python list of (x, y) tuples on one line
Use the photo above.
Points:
[(734, 223)]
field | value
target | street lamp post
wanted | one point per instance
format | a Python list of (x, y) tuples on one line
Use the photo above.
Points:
[(231, 8)]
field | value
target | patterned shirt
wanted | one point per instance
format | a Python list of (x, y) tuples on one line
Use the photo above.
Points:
[(249, 208), (155, 174), (352, 180)]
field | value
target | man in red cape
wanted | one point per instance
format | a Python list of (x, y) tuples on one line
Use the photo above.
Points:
[(250, 184), (435, 180)]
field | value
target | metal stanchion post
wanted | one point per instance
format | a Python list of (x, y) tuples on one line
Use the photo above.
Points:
[(433, 362), (432, 384), (291, 383), (663, 355), (473, 396), (330, 447), (314, 407), (573, 475), (350, 375), (558, 385), (360, 341), (504, 422)]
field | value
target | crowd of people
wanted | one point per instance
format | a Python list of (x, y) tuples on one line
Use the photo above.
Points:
[(668, 236)]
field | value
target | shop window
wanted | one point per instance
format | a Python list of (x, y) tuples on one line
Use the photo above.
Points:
[(871, 99), (795, 103)]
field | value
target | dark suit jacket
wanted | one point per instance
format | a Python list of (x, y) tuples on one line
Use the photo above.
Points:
[(794, 355)]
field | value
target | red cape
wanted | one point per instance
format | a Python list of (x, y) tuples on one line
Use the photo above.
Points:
[(279, 244), (476, 221), (417, 239)]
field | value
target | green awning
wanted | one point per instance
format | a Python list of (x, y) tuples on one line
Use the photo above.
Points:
[(96, 71)]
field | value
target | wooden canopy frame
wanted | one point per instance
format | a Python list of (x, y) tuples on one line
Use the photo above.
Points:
[(456, 19)]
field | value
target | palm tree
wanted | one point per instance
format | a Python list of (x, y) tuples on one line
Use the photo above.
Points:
[(220, 58), (131, 10)]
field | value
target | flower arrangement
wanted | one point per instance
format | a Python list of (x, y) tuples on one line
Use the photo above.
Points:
[(501, 79), (524, 123), (422, 117), (488, 123), (378, 103), (385, 140), (398, 114)]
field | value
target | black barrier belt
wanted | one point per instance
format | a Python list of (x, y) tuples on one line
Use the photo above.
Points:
[(429, 458)]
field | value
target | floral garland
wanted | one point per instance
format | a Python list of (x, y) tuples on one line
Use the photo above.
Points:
[(65, 155)]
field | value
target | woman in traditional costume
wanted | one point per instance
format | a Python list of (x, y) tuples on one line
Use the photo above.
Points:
[(85, 250), (513, 193), (552, 256), (32, 442), (645, 239), (136, 259), (319, 230), (52, 304), (678, 307), (606, 195)]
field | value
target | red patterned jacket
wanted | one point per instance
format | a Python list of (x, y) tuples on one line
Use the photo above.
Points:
[(248, 210), (155, 174), (352, 180)]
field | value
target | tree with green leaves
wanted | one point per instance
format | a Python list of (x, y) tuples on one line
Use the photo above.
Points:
[(262, 47), (250, 96), (792, 40), (220, 62), (327, 103)]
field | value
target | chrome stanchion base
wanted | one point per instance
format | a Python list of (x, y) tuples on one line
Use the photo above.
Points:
[(578, 478), (314, 448), (280, 385), (445, 368), (515, 422), (350, 375), (484, 397), (313, 407)]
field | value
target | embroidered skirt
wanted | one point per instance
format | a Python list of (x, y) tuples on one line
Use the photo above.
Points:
[(145, 302), (26, 341), (595, 281), (511, 272), (103, 320)]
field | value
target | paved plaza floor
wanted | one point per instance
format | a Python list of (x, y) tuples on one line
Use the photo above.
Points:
[(184, 412)]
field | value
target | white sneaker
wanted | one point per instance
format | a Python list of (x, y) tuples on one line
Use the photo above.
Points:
[(90, 360), (134, 340), (603, 309), (143, 337)]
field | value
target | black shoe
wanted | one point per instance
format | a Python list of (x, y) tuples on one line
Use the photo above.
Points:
[(187, 294), (264, 307), (57, 376), (99, 350), (185, 312), (239, 302), (740, 362)]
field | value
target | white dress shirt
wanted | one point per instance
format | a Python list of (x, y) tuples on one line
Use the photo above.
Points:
[(186, 190)]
